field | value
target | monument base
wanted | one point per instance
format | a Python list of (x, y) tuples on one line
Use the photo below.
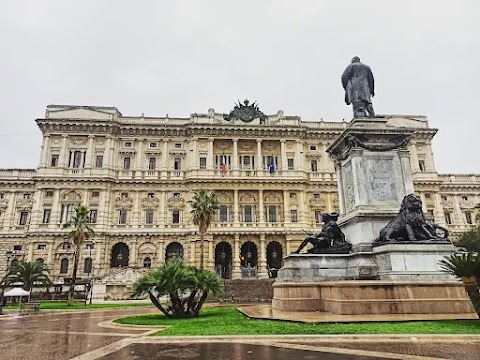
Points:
[(372, 297), (412, 261)]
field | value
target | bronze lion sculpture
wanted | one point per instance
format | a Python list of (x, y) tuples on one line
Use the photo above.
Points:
[(410, 224)]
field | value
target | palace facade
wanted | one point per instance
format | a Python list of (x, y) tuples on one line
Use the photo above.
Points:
[(136, 174)]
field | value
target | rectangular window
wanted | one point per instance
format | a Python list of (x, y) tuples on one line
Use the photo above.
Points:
[(149, 216), (203, 163), (70, 211), (17, 247), (290, 164), (248, 213), (152, 163), (95, 194), (313, 147), (316, 196), (153, 144), (468, 217), (430, 214), (448, 218), (27, 196), (99, 161), (177, 164), (77, 159), (128, 144), (49, 193), (54, 161), (318, 217), (46, 216), (246, 163), (421, 165), (122, 218), (126, 163), (428, 196), (293, 216), (272, 213), (313, 165), (93, 216), (41, 247), (176, 216), (23, 218), (178, 146), (223, 213), (151, 195), (293, 195)]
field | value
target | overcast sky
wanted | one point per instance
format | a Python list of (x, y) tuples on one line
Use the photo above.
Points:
[(182, 57)]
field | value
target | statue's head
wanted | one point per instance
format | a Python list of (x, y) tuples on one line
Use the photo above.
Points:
[(355, 59), (411, 203)]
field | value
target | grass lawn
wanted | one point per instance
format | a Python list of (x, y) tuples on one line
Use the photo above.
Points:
[(229, 321), (63, 305)]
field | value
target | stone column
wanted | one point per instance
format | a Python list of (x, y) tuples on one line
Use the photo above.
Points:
[(133, 262), (111, 159), (194, 152), (261, 208), (235, 207), (302, 218), (262, 270), (211, 257), (30, 251), (236, 273), (90, 150), (64, 155), (192, 252), (283, 150), (415, 165), (165, 155), (51, 246), (299, 165), (98, 257), (45, 150), (210, 164), (439, 215), (286, 212), (259, 155), (235, 154), (139, 161), (430, 163), (160, 253)]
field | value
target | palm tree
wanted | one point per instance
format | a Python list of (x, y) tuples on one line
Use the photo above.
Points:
[(29, 274), (186, 287), (204, 206), (81, 232), (477, 215), (467, 267)]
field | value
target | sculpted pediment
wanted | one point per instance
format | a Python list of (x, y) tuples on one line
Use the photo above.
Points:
[(81, 112)]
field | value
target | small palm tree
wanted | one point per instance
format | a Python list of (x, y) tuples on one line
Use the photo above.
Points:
[(186, 287), (465, 266), (204, 206), (29, 274), (80, 233)]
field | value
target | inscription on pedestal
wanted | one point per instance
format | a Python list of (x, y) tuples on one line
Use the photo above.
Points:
[(382, 180)]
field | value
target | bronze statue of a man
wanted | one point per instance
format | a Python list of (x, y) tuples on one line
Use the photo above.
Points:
[(358, 82)]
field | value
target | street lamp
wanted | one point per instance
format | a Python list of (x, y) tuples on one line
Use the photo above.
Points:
[(90, 268)]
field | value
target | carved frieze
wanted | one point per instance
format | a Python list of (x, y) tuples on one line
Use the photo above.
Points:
[(382, 182), (348, 186), (176, 202), (149, 202), (124, 201), (71, 195)]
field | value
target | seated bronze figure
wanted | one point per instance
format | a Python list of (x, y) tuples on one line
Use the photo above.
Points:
[(330, 240)]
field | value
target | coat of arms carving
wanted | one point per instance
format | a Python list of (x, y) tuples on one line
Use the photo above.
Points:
[(246, 112)]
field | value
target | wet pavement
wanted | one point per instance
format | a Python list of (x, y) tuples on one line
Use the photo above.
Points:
[(223, 351), (89, 335)]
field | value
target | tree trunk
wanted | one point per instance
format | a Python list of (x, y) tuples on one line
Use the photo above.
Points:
[(76, 258), (201, 250), (157, 304), (474, 295), (200, 303)]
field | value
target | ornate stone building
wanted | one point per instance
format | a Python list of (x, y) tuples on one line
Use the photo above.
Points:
[(137, 174)]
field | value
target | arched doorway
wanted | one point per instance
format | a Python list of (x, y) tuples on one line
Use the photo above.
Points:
[(274, 258), (249, 259), (174, 251), (120, 254), (223, 260)]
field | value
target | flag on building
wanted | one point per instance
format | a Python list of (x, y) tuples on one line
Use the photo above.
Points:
[(224, 166), (271, 167)]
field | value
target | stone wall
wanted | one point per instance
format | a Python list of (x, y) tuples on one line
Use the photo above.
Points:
[(243, 291)]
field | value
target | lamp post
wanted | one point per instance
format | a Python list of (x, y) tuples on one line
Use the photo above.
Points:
[(90, 268)]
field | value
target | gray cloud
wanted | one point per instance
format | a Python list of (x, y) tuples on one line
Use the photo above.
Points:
[(181, 57)]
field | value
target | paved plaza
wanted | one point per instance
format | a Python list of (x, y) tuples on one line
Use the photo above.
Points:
[(90, 335)]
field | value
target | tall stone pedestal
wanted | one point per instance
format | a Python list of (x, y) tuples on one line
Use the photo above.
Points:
[(373, 172)]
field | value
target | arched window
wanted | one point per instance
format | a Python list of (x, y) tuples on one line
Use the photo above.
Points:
[(119, 255), (40, 261), (147, 262), (174, 251), (64, 266), (87, 265)]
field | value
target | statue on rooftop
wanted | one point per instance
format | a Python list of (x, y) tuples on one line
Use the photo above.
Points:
[(358, 83)]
